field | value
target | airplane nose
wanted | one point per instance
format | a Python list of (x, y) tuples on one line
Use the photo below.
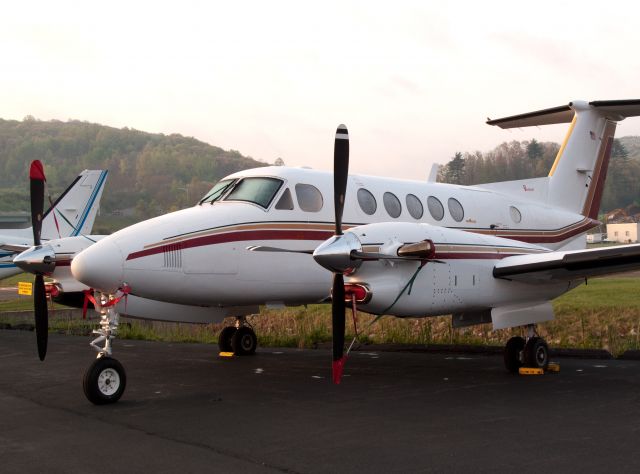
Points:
[(100, 266)]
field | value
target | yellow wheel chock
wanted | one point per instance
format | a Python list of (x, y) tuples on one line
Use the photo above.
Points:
[(553, 367)]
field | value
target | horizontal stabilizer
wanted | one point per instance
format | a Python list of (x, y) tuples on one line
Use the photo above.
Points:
[(614, 110), (562, 114), (570, 265), (617, 110)]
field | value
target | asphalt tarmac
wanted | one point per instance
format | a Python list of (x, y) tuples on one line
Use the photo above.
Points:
[(187, 410)]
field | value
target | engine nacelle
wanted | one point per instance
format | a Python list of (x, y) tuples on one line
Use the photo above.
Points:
[(441, 270)]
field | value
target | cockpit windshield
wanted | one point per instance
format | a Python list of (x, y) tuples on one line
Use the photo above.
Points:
[(217, 191), (260, 191)]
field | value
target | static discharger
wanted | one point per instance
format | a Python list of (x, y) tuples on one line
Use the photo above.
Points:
[(537, 371), (226, 354)]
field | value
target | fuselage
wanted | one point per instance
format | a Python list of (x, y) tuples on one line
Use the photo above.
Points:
[(199, 256)]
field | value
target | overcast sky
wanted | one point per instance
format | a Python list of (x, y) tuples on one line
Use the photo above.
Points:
[(413, 81)]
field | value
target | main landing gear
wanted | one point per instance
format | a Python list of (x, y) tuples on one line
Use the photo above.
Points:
[(105, 380), (239, 339), (533, 352)]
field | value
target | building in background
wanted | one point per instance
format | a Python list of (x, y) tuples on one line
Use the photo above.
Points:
[(625, 233)]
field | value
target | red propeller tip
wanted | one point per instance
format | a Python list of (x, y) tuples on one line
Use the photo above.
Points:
[(37, 170), (338, 367)]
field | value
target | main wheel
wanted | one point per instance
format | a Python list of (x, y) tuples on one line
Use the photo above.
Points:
[(536, 353), (224, 339), (244, 341), (104, 381), (512, 351)]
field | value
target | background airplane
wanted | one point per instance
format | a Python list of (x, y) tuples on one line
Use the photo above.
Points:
[(72, 214), (56, 236), (494, 256)]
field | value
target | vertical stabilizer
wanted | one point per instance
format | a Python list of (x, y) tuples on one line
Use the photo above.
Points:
[(576, 180), (75, 211)]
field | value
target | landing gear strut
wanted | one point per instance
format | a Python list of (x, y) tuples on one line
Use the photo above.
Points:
[(105, 380), (533, 352), (239, 339)]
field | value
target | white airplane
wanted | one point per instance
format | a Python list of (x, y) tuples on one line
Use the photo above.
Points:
[(48, 246), (495, 253)]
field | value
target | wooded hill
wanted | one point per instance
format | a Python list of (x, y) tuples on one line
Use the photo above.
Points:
[(151, 174), (148, 173), (528, 159)]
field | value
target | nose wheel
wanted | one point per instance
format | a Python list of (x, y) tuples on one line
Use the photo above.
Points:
[(104, 381)]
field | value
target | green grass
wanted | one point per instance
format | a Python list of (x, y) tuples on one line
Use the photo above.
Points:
[(13, 280), (605, 314)]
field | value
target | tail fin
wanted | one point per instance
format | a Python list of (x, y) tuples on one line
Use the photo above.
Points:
[(576, 179), (74, 212)]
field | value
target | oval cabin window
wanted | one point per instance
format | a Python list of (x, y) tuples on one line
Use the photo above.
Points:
[(455, 209), (367, 202), (392, 205), (515, 214), (414, 206), (436, 209)]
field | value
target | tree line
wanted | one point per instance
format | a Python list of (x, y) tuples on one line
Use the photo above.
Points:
[(151, 173), (530, 159)]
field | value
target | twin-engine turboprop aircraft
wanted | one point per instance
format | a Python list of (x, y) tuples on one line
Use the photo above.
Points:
[(495, 253)]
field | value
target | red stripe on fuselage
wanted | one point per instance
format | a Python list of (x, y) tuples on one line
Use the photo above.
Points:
[(237, 237), (317, 235), (474, 255)]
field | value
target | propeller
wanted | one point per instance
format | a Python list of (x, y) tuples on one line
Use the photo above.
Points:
[(338, 306), (37, 180), (343, 253)]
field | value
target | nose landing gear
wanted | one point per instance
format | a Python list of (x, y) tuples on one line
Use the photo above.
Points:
[(105, 380), (239, 339), (532, 353)]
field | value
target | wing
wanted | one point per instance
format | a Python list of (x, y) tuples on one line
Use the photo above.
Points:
[(569, 265), (15, 248)]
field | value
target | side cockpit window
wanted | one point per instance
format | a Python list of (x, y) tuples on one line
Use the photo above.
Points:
[(260, 191), (309, 197), (218, 190), (285, 203)]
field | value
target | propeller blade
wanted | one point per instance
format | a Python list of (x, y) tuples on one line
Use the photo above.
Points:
[(37, 180), (340, 173), (264, 248), (41, 314), (337, 325)]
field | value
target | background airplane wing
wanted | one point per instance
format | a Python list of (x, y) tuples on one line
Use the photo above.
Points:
[(14, 247), (569, 265)]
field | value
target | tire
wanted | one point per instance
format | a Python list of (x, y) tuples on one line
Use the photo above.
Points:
[(536, 353), (512, 351), (224, 339), (104, 381), (244, 341)]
